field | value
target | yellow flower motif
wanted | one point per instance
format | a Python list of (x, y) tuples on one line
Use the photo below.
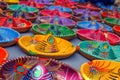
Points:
[(105, 47)]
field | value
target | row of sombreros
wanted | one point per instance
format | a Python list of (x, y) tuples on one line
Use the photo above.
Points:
[(46, 46), (22, 23), (56, 19), (87, 10), (72, 4), (100, 34), (65, 3), (54, 47), (78, 14)]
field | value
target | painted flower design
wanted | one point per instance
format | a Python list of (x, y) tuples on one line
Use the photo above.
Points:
[(20, 68)]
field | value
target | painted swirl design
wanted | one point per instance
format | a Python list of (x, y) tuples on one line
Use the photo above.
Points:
[(35, 68), (101, 70)]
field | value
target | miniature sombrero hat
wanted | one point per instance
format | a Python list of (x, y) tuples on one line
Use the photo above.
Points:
[(100, 70), (35, 68), (99, 50), (46, 46)]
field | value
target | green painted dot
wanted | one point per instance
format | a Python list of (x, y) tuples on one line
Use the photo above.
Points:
[(20, 69), (51, 40), (37, 73), (32, 53), (56, 19), (32, 36), (73, 46), (10, 20)]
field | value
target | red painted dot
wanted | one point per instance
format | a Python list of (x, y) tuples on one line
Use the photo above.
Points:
[(16, 39)]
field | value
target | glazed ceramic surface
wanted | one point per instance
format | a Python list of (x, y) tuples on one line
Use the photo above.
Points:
[(8, 35), (35, 68), (86, 14), (3, 5), (100, 70), (12, 1), (46, 2), (66, 3), (23, 8), (3, 55), (59, 31), (83, 11), (57, 20), (89, 6), (112, 21), (100, 50), (93, 25), (46, 46), (18, 14), (33, 4), (98, 35), (111, 14), (60, 8), (116, 29), (15, 23), (54, 13)]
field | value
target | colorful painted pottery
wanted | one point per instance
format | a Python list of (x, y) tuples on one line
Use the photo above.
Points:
[(85, 14), (56, 30), (28, 16), (111, 14), (112, 21), (116, 29), (6, 13), (99, 50), (98, 35), (11, 1), (3, 5), (3, 55), (54, 13), (23, 7), (93, 25), (57, 21), (18, 14), (89, 6), (46, 2), (60, 8), (35, 68), (18, 24), (46, 46), (100, 70), (8, 36), (32, 3), (66, 3)]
